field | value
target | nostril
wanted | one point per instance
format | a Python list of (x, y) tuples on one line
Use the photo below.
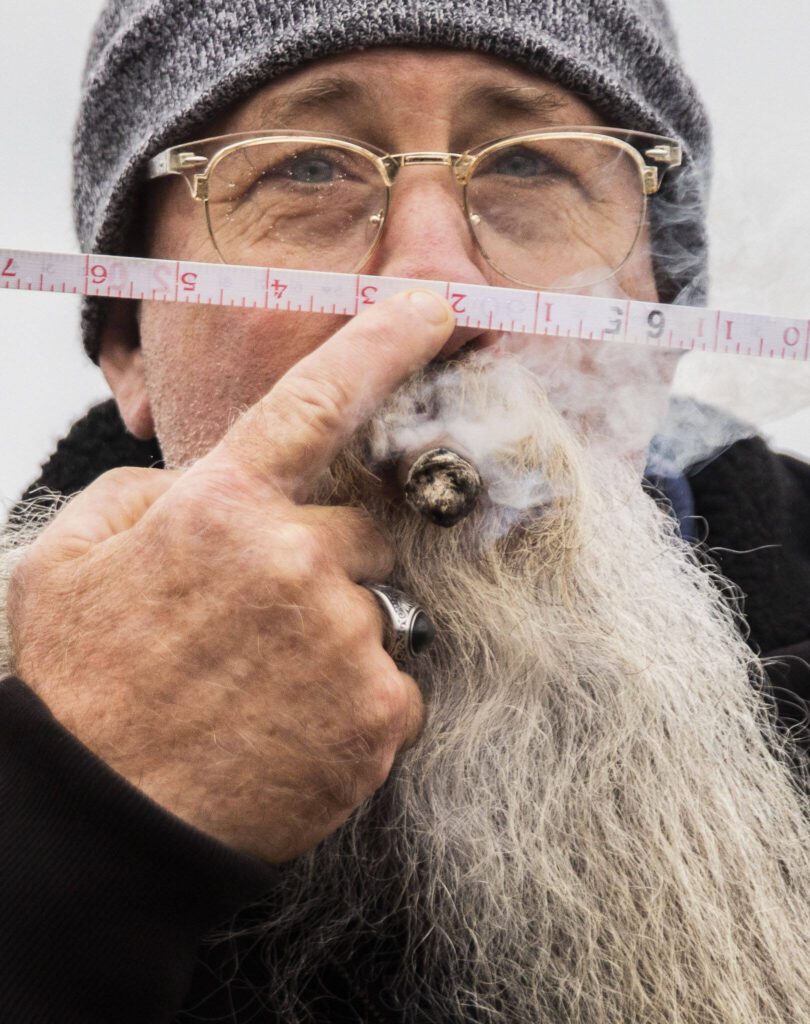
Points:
[(457, 355), (465, 338)]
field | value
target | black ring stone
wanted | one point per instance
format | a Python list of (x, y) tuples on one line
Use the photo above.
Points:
[(423, 632)]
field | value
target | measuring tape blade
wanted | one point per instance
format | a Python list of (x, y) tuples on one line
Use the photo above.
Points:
[(515, 310)]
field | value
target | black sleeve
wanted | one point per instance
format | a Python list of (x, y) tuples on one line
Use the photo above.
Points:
[(105, 895), (789, 675), (756, 507)]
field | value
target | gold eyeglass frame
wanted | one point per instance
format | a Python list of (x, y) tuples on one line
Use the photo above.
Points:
[(653, 155)]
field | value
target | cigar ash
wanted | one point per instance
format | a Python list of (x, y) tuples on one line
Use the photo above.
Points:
[(442, 486)]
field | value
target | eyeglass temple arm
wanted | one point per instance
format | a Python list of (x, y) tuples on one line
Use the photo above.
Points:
[(669, 154), (183, 162), (174, 161)]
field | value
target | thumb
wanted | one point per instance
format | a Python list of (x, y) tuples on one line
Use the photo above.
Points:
[(111, 505)]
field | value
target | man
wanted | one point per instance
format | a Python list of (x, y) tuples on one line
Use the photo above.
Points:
[(575, 805)]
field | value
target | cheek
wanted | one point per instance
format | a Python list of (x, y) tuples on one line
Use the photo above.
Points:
[(205, 366), (636, 279)]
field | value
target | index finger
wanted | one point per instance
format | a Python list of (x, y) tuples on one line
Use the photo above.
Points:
[(293, 434)]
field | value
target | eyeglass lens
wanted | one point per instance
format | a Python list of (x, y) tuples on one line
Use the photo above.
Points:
[(545, 213), (300, 205)]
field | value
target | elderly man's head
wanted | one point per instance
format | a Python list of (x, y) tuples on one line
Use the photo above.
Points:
[(592, 827), (549, 210), (167, 72)]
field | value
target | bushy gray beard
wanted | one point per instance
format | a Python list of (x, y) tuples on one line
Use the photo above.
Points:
[(599, 822)]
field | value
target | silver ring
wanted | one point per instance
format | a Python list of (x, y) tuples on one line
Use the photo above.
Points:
[(409, 629)]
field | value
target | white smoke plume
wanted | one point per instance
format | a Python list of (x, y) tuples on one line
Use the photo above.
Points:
[(759, 263)]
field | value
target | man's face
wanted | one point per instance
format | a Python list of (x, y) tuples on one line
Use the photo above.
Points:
[(197, 368)]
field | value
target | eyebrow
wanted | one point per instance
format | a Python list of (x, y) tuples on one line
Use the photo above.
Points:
[(331, 92), (498, 101)]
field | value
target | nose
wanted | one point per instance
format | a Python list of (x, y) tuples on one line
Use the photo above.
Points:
[(426, 235)]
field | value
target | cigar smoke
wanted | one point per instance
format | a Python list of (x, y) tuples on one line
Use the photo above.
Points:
[(611, 395), (758, 264)]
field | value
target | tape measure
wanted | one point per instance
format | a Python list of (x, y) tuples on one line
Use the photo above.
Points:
[(516, 310)]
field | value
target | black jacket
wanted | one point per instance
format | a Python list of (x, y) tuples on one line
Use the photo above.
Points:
[(107, 898)]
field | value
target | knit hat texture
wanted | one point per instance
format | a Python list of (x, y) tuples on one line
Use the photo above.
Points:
[(158, 69)]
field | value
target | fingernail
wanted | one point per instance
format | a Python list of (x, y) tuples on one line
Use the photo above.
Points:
[(433, 308)]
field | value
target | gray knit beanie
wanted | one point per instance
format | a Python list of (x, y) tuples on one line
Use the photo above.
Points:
[(157, 69)]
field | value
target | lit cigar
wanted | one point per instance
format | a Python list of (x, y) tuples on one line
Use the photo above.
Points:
[(440, 484)]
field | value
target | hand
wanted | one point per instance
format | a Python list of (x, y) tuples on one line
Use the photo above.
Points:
[(204, 632)]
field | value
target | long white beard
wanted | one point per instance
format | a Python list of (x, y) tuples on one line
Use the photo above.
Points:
[(599, 822)]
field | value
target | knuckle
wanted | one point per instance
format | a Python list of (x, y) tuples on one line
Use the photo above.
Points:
[(361, 776), (378, 323), (370, 535), (360, 621), (223, 486), (352, 629), (377, 774), (385, 711), (318, 401), (121, 477), (300, 553)]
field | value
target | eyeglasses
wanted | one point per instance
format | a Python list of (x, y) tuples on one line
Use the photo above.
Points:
[(562, 207)]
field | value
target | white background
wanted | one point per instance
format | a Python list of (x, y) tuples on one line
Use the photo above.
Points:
[(749, 60)]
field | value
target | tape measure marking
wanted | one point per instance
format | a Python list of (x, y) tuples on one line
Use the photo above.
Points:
[(522, 311)]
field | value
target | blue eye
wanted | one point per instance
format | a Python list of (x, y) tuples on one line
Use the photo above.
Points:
[(523, 163), (312, 171)]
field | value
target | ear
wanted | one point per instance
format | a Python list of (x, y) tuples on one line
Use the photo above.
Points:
[(121, 362)]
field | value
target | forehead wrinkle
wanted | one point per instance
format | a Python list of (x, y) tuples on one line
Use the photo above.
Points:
[(350, 104)]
